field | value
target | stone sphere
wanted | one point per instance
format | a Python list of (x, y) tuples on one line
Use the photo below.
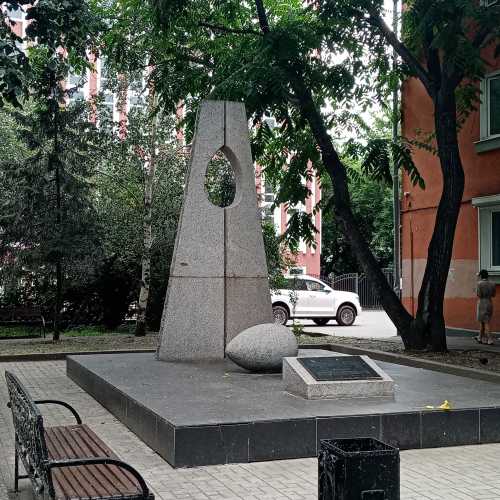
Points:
[(261, 348)]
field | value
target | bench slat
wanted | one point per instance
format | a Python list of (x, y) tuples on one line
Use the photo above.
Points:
[(89, 445), (67, 477), (90, 481)]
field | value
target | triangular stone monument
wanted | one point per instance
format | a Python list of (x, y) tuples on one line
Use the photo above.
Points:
[(218, 282)]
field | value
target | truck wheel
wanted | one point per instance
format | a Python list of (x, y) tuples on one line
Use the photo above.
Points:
[(280, 315), (346, 315)]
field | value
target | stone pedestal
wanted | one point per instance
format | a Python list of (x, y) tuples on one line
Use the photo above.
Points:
[(298, 380), (218, 277)]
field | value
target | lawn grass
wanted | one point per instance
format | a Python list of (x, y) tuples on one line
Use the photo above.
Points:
[(19, 331)]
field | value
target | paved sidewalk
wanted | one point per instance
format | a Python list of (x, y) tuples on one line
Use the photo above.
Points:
[(471, 472), (369, 324)]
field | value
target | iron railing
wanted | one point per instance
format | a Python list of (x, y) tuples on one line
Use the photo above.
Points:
[(359, 284)]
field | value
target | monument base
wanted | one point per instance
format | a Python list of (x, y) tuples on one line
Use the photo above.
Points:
[(300, 380), (215, 412)]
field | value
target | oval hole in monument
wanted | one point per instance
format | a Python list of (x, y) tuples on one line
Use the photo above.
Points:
[(220, 182)]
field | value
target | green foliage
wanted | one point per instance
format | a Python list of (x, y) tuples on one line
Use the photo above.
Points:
[(220, 183), (372, 206), (13, 62), (119, 191), (31, 234)]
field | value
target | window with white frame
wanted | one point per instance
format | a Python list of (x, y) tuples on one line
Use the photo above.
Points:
[(490, 106), (489, 232), (137, 92), (105, 82), (75, 86), (269, 195)]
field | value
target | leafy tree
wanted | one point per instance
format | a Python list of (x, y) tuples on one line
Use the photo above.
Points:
[(140, 206), (13, 62), (368, 166), (313, 67), (372, 208), (59, 36), (30, 245)]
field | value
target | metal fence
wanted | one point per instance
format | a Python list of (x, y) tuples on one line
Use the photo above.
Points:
[(358, 283)]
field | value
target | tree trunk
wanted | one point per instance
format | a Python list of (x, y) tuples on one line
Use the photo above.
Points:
[(336, 170), (149, 176), (428, 327), (54, 163), (429, 322)]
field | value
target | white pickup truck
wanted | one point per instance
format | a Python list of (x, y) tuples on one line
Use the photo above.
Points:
[(315, 300)]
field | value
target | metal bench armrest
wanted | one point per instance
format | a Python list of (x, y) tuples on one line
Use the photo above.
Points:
[(104, 461), (60, 403)]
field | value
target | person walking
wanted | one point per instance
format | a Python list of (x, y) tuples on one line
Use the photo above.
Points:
[(485, 291)]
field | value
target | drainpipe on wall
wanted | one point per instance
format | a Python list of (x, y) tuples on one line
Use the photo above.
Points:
[(395, 173)]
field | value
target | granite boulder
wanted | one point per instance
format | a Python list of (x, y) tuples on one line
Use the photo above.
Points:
[(261, 348)]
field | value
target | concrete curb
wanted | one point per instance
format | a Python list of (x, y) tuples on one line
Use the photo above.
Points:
[(388, 357), (402, 359), (53, 356)]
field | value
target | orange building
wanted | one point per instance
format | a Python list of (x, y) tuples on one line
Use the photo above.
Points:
[(477, 239)]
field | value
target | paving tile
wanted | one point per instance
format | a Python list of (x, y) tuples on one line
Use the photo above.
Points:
[(459, 473)]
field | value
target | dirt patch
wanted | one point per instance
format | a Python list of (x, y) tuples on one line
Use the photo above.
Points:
[(471, 358), (107, 342)]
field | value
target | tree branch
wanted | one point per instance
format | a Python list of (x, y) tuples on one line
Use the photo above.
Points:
[(375, 20), (481, 37), (261, 14), (225, 29)]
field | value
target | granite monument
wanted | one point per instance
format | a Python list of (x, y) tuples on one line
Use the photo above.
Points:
[(218, 282)]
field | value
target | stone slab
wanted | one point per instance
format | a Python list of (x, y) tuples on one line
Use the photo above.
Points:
[(245, 253), (248, 303), (199, 246), (298, 380), (201, 324), (215, 413)]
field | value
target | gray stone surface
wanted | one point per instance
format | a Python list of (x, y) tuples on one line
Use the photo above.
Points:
[(457, 473), (209, 393), (214, 244), (243, 297), (245, 254), (262, 347), (299, 381), (201, 301)]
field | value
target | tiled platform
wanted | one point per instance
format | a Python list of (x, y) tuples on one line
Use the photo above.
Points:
[(215, 413)]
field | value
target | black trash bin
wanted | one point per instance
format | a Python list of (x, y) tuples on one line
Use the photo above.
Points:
[(358, 469)]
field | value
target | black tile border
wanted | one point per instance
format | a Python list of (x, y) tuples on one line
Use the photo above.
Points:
[(191, 446)]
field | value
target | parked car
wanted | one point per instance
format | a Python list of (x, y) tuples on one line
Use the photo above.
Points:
[(315, 300)]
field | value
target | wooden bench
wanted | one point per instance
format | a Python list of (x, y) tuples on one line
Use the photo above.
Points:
[(25, 315), (70, 461)]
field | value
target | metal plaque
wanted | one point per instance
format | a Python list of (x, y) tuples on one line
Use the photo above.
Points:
[(337, 368)]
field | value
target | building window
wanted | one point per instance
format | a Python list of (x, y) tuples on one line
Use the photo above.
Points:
[(491, 106), (489, 233), (489, 114), (75, 86), (297, 270), (495, 239), (106, 86), (137, 92), (269, 195)]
